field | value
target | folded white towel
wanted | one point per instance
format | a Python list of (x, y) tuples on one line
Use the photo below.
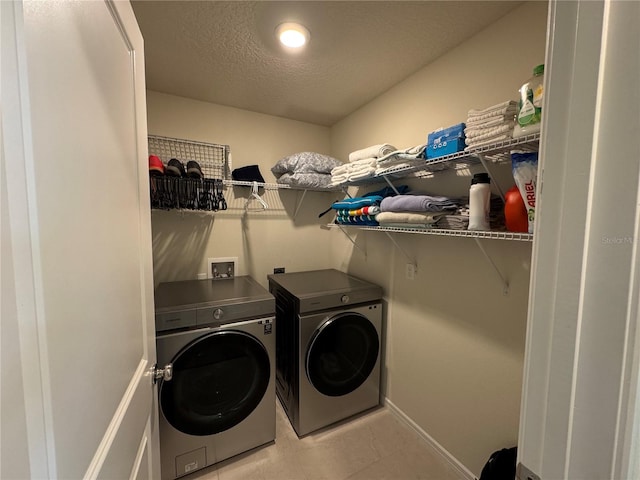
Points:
[(480, 134), (374, 151), (492, 115), (334, 183), (418, 218), (496, 139), (409, 226), (509, 104), (361, 174), (490, 122), (362, 166), (364, 162), (366, 172), (342, 169)]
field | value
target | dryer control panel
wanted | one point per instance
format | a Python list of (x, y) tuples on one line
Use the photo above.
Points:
[(333, 300)]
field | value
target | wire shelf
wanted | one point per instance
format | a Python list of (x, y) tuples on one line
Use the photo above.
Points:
[(496, 235), (266, 186), (213, 158), (280, 186), (495, 153)]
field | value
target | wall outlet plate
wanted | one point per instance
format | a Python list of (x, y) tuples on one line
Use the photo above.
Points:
[(411, 271), (220, 268)]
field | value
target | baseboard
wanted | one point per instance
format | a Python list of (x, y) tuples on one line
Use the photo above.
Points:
[(431, 442)]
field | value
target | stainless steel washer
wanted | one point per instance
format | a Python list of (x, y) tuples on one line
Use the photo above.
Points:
[(218, 336), (328, 346)]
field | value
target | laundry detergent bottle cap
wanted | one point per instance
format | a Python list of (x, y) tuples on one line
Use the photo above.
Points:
[(480, 178)]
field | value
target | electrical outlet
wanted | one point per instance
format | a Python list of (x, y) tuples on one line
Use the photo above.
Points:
[(222, 267), (411, 271), (278, 270)]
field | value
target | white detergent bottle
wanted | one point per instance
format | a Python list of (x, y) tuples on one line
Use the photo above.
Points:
[(479, 202)]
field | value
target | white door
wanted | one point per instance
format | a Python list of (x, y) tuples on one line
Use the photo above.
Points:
[(77, 290), (580, 416)]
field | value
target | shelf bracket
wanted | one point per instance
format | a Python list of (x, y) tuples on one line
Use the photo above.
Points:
[(505, 283), (411, 260), (488, 170), (299, 204), (353, 241), (391, 185)]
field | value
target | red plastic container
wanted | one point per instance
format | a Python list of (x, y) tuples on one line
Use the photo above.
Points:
[(515, 212)]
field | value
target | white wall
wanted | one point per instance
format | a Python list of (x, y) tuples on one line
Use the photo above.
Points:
[(454, 342), (261, 240)]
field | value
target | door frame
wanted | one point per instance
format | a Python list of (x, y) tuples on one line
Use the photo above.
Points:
[(580, 409), (24, 260)]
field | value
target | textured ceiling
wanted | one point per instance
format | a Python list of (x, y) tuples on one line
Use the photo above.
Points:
[(226, 52)]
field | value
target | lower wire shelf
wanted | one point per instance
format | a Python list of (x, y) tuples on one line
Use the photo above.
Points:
[(476, 235), (497, 235)]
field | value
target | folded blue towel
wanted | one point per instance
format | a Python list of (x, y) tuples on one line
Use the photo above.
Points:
[(417, 203), (357, 202)]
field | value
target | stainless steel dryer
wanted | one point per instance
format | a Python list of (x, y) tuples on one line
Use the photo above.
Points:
[(216, 340), (328, 346)]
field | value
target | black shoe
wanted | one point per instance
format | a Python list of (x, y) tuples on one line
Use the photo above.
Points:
[(193, 169), (175, 168)]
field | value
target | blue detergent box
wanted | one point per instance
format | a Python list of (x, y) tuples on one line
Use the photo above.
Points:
[(446, 141)]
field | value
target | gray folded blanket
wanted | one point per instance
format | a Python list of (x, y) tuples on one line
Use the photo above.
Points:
[(417, 203)]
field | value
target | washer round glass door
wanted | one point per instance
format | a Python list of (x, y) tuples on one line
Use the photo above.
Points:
[(342, 353), (218, 380)]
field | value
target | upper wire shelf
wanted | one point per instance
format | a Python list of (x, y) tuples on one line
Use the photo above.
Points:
[(495, 153), (266, 186), (276, 186)]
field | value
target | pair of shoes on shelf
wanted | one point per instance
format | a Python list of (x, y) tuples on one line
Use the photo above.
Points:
[(176, 168)]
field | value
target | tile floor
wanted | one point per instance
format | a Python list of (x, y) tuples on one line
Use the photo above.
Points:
[(372, 446)]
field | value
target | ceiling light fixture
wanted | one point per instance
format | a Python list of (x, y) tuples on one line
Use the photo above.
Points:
[(292, 35)]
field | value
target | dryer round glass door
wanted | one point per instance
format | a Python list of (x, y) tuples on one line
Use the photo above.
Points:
[(342, 353), (218, 380)]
